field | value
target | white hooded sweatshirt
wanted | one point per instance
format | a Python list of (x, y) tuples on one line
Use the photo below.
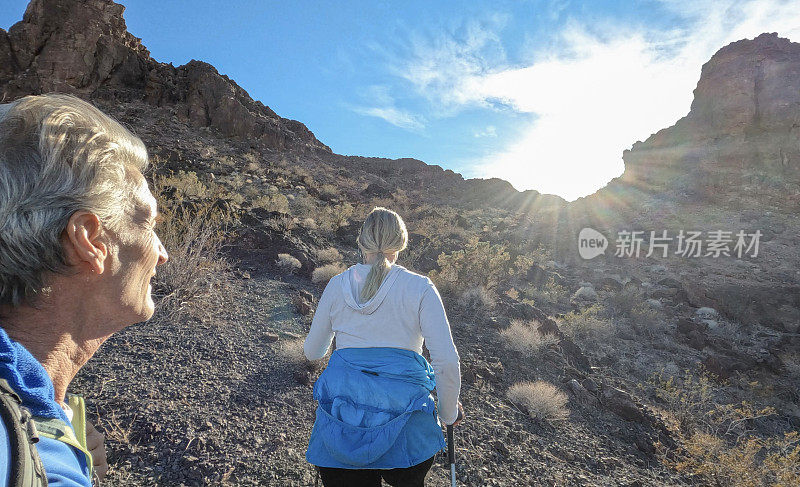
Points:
[(406, 311)]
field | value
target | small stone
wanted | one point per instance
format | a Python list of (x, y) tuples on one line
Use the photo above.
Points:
[(706, 312)]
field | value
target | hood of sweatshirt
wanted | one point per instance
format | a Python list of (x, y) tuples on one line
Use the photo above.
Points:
[(353, 282)]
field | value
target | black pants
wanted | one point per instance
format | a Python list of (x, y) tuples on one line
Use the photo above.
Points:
[(396, 477)]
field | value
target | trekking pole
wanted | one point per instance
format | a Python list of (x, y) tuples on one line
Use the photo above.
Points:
[(451, 455)]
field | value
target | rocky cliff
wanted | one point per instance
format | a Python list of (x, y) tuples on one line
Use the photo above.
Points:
[(84, 48), (743, 126)]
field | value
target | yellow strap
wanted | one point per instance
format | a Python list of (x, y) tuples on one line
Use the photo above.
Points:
[(78, 407), (74, 436)]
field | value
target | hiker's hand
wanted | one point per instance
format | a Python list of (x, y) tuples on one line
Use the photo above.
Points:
[(96, 444), (460, 416)]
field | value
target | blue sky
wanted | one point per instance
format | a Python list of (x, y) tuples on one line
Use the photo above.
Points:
[(546, 94)]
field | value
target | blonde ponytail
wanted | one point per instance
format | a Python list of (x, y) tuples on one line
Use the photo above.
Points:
[(383, 232)]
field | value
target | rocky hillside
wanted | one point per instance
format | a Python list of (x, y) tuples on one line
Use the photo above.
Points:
[(743, 124), (666, 364), (84, 48)]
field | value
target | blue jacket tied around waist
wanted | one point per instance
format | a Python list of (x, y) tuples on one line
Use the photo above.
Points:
[(375, 410)]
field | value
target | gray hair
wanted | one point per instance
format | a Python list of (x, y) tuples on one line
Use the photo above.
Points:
[(58, 155)]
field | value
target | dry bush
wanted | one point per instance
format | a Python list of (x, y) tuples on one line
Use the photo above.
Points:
[(327, 256), (332, 217), (476, 301), (186, 185), (276, 202), (540, 399), (586, 324), (478, 264), (644, 314), (524, 336), (288, 264), (196, 281), (309, 224), (328, 192), (717, 442), (323, 274), (304, 206), (550, 293)]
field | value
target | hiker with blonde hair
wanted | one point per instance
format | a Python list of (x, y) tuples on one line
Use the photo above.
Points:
[(376, 418)]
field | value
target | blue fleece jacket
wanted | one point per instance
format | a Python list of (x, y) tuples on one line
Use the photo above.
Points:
[(64, 465), (375, 411)]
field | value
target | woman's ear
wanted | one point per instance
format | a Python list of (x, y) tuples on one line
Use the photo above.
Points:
[(83, 243)]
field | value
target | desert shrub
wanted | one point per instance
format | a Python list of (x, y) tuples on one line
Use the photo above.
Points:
[(524, 336), (331, 218), (186, 186), (551, 292), (540, 399), (303, 206), (196, 281), (272, 202), (309, 224), (288, 264), (476, 301), (328, 255), (716, 442), (323, 274), (328, 191), (688, 398), (234, 198), (522, 264), (644, 314), (478, 264), (586, 324)]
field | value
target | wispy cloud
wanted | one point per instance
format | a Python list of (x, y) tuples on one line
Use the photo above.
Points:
[(489, 131), (379, 103), (394, 116), (440, 66), (608, 85)]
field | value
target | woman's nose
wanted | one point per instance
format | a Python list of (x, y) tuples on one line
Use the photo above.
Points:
[(163, 257)]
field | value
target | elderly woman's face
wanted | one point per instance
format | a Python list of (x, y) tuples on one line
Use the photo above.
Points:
[(139, 253)]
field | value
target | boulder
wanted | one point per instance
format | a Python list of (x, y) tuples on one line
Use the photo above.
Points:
[(622, 404), (582, 395), (585, 293)]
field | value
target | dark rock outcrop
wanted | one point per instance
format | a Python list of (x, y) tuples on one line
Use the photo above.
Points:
[(84, 48)]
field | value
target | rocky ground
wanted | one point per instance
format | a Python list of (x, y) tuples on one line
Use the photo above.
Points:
[(229, 403)]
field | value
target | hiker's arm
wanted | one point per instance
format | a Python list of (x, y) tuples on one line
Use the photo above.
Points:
[(320, 336), (444, 356)]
